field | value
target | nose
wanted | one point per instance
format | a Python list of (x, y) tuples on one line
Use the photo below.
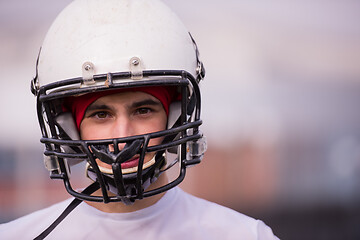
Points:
[(122, 127)]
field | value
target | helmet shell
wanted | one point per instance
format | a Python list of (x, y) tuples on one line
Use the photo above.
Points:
[(108, 34)]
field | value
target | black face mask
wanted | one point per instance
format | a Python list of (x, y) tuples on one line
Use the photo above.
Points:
[(182, 139)]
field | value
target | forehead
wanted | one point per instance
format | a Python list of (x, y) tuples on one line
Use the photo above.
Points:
[(127, 97)]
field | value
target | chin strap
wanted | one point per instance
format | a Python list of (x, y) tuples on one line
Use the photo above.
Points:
[(89, 190)]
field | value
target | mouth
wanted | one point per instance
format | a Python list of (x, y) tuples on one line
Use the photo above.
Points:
[(130, 166)]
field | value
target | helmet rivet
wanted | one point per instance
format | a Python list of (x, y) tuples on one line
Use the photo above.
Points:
[(135, 62), (136, 68), (88, 72), (87, 67)]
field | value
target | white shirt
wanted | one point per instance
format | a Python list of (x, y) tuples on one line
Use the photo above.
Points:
[(176, 216)]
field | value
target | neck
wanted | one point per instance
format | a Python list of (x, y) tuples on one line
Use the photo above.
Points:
[(119, 207)]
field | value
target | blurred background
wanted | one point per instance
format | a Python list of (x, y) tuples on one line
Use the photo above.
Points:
[(280, 110)]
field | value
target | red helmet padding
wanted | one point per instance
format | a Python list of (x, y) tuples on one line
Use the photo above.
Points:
[(78, 105)]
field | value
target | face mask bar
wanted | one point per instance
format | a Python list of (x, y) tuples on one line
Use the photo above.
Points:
[(184, 135), (136, 145)]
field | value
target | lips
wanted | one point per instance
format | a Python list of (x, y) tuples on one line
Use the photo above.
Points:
[(130, 163), (129, 166)]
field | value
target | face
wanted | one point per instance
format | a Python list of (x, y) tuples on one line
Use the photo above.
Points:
[(122, 115)]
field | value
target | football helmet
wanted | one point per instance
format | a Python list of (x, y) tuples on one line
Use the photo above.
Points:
[(104, 45)]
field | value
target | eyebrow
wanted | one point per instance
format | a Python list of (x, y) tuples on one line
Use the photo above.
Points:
[(137, 104), (92, 107), (146, 102)]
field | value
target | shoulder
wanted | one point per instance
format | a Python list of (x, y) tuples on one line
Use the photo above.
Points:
[(33, 223), (217, 219)]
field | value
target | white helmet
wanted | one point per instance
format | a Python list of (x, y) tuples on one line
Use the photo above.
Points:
[(100, 45)]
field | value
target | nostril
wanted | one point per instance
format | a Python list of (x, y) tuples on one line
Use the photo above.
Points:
[(111, 148), (116, 147)]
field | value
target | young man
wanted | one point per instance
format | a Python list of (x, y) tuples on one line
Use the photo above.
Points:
[(117, 91)]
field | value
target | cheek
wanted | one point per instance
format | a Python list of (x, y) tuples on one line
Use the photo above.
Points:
[(84, 135), (92, 132), (156, 126)]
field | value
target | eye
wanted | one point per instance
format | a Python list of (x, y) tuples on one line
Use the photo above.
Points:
[(143, 111), (100, 114)]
